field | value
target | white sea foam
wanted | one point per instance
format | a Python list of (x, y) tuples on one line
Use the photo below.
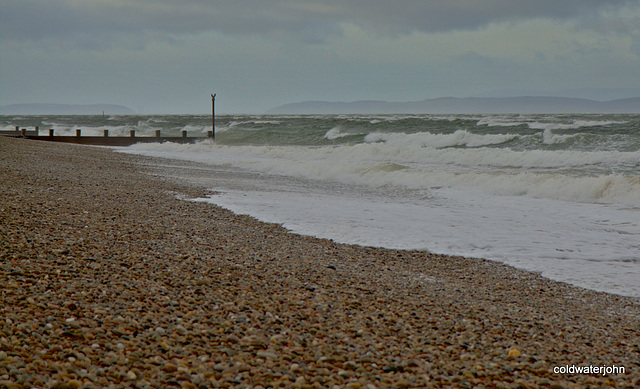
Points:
[(241, 123), (499, 121), (550, 138), (555, 194), (427, 139), (195, 130), (534, 122), (592, 123), (335, 133), (10, 127), (152, 121), (536, 125), (425, 168)]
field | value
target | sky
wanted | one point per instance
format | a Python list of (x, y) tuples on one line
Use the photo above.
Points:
[(168, 56)]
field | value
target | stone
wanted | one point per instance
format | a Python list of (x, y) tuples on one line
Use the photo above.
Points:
[(514, 353), (74, 384), (266, 354)]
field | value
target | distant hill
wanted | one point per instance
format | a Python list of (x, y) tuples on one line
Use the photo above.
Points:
[(65, 109), (525, 105)]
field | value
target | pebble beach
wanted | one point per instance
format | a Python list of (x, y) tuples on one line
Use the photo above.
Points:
[(110, 277)]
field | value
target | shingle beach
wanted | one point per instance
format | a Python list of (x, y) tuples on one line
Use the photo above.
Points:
[(111, 278)]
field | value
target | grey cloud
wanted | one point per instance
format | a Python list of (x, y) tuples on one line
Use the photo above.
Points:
[(38, 20), (626, 21), (447, 15), (313, 19), (635, 45)]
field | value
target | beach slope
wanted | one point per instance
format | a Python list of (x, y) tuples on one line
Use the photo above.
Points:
[(109, 277)]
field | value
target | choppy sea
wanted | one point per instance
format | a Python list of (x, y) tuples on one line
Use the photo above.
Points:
[(554, 194)]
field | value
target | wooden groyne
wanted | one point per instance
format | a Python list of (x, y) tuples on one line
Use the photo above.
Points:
[(105, 139)]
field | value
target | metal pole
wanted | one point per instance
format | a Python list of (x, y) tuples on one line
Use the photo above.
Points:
[(213, 116)]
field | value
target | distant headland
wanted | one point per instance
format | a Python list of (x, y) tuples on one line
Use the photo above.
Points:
[(471, 105), (65, 109)]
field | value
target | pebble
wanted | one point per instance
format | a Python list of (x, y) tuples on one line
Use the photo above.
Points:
[(266, 354), (74, 384), (160, 292), (514, 353)]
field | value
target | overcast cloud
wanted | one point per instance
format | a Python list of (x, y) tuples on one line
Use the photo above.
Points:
[(165, 56), (38, 19)]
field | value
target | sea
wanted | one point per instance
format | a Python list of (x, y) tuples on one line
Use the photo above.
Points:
[(554, 194)]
